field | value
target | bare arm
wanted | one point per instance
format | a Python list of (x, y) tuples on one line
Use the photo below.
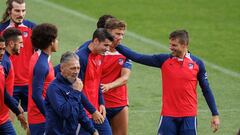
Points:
[(125, 73)]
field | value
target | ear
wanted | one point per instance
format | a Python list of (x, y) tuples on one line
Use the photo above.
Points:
[(95, 41), (11, 43)]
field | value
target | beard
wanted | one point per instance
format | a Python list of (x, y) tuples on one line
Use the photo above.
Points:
[(16, 51)]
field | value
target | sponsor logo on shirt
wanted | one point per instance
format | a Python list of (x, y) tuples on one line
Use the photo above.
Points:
[(205, 76)]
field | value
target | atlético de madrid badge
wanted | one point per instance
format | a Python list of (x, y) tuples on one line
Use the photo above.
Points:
[(120, 61), (190, 65), (25, 34)]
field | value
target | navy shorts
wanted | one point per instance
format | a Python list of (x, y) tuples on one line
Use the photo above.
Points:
[(20, 93), (111, 112), (7, 128), (177, 125), (37, 129), (103, 129)]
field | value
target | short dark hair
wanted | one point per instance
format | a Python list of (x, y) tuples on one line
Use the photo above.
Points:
[(101, 34), (114, 23), (1, 39), (43, 35), (11, 34), (102, 20), (67, 56), (9, 8), (182, 35)]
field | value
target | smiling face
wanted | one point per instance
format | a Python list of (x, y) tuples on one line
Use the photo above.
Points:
[(100, 47), (177, 49), (17, 13)]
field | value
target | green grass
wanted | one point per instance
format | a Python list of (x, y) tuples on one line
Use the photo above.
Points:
[(214, 36)]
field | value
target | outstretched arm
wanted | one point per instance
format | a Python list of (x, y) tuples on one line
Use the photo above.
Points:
[(149, 60)]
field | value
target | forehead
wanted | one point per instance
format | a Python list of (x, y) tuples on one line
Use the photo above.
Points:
[(18, 6), (106, 41), (72, 62)]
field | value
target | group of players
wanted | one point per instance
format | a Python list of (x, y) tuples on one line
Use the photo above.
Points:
[(87, 93)]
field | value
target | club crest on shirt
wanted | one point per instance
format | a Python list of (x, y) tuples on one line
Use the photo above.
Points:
[(120, 61), (190, 65), (25, 34)]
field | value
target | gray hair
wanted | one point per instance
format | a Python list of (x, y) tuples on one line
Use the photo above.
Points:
[(67, 56)]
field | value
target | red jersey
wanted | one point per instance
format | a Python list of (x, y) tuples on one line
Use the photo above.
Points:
[(41, 75), (90, 74), (21, 61), (112, 67), (179, 81), (4, 115)]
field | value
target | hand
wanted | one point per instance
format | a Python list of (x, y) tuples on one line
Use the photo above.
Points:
[(105, 87), (97, 117), (96, 133), (102, 110), (22, 120), (215, 122), (77, 85), (20, 109)]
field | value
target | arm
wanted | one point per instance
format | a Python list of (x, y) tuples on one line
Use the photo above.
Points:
[(125, 73), (207, 93), (149, 60), (39, 76), (11, 103)]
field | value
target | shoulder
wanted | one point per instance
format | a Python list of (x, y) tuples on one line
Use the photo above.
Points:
[(196, 59), (29, 24), (4, 25)]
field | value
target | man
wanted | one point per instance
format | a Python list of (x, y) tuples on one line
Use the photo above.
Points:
[(44, 37), (14, 17), (180, 73), (12, 37), (115, 73), (63, 100), (91, 55)]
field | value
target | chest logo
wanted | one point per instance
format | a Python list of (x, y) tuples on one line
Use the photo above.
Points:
[(190, 66), (120, 61), (25, 34)]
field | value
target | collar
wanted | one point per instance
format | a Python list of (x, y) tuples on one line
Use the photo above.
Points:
[(63, 80)]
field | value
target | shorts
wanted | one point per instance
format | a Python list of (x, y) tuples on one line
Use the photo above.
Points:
[(177, 125), (20, 93)]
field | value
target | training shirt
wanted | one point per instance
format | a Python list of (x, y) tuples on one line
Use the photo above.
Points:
[(41, 74), (9, 72), (6, 101), (90, 74), (21, 61), (64, 109), (179, 81), (112, 67)]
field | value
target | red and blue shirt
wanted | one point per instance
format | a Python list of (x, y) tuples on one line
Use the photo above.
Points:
[(113, 64), (21, 61), (90, 74), (179, 81), (41, 75)]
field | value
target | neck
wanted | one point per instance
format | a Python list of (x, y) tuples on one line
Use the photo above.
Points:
[(183, 54), (48, 50), (8, 50), (91, 48)]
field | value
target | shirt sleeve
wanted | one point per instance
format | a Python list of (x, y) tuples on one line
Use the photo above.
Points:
[(90, 108), (11, 103), (207, 92), (127, 64), (39, 75), (149, 60)]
